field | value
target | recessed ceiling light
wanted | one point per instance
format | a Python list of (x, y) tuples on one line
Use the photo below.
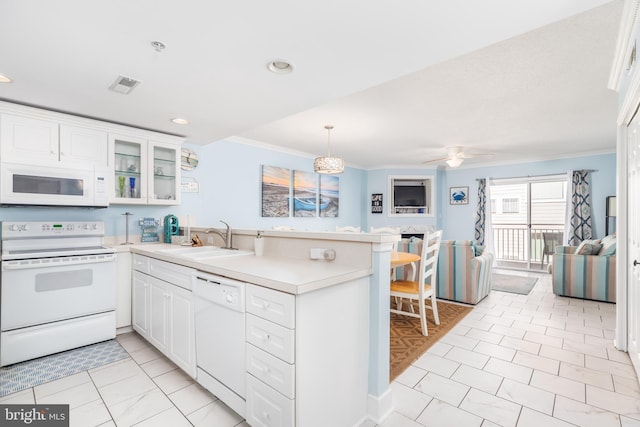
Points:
[(5, 79), (180, 121), (280, 66), (158, 45)]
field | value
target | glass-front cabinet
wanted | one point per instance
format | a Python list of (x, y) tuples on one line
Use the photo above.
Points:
[(145, 171), (165, 174)]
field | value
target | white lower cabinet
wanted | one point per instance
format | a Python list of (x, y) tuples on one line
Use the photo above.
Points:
[(307, 356), (163, 312), (266, 407)]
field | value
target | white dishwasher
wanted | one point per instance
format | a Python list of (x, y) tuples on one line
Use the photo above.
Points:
[(220, 337)]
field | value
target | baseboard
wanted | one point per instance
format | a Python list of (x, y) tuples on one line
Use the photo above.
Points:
[(124, 330), (380, 407)]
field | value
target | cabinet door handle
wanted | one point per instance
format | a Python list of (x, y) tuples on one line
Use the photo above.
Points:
[(635, 262)]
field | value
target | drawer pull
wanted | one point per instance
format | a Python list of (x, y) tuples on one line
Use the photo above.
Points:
[(265, 305), (266, 416), (267, 337)]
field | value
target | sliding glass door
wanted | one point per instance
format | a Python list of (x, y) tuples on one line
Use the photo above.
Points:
[(528, 218)]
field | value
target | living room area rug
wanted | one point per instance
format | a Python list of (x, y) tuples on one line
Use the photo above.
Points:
[(514, 284), (407, 343)]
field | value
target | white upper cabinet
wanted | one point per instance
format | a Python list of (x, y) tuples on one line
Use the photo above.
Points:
[(34, 140), (27, 140), (145, 165), (145, 171), (164, 173), (83, 145)]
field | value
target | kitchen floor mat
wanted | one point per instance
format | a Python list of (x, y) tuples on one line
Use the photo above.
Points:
[(31, 373)]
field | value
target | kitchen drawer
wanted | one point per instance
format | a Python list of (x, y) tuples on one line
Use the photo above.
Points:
[(272, 338), (141, 263), (266, 407), (273, 371), (172, 273), (271, 305)]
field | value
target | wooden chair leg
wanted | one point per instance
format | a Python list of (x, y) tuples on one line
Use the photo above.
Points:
[(434, 307)]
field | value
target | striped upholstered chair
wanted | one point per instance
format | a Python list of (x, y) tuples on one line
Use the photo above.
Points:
[(585, 276), (463, 276)]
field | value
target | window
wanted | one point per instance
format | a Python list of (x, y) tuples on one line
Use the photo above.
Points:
[(411, 195), (510, 205)]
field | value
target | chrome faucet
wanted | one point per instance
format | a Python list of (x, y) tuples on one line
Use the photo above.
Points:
[(227, 238)]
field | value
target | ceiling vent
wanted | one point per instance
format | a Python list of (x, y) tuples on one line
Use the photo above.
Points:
[(124, 85)]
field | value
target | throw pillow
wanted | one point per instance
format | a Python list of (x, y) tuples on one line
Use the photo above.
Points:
[(477, 248), (608, 247), (587, 247)]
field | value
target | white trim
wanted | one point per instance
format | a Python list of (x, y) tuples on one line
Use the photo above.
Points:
[(624, 44), (278, 148), (502, 163), (379, 408), (622, 317)]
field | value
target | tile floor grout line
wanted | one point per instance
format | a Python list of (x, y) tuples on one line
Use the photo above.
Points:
[(158, 388)]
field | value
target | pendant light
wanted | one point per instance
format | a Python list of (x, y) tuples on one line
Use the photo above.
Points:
[(328, 164)]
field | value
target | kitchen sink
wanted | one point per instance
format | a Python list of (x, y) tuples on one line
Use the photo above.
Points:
[(203, 252)]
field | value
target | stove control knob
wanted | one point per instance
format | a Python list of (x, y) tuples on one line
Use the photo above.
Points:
[(94, 226), (85, 226), (24, 227), (14, 227)]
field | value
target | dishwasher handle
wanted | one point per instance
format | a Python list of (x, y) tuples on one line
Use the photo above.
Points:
[(223, 292)]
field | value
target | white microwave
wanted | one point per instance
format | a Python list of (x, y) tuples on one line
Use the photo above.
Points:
[(52, 186)]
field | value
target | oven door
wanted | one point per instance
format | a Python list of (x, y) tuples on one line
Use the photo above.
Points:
[(50, 186), (38, 291)]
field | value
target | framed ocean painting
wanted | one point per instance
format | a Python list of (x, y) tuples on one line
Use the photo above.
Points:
[(305, 194), (276, 186), (329, 196)]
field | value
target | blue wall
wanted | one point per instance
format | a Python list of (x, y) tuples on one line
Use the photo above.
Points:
[(378, 182), (229, 175), (459, 220)]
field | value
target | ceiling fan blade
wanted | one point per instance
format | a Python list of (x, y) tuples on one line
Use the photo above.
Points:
[(442, 159), (474, 155)]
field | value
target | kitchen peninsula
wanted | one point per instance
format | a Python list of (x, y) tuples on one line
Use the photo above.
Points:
[(330, 320)]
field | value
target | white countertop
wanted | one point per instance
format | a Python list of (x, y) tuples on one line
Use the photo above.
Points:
[(294, 276)]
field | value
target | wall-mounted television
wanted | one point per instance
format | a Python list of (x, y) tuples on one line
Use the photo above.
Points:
[(409, 195)]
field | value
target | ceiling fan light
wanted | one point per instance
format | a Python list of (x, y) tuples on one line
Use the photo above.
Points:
[(455, 161)]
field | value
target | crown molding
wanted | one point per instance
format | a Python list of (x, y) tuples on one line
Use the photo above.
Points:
[(624, 44)]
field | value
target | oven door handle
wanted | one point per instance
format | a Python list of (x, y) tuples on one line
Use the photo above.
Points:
[(57, 262)]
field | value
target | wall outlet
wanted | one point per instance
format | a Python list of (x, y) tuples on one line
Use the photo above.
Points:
[(210, 240), (320, 253)]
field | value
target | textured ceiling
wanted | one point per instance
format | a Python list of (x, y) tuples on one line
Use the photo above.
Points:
[(399, 80)]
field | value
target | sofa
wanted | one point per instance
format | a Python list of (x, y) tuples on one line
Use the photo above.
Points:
[(462, 275), (464, 271), (586, 271)]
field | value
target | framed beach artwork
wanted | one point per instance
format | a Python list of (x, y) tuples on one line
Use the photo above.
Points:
[(459, 195), (305, 194), (276, 185), (329, 196)]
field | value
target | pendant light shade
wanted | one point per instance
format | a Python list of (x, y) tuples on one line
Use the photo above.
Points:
[(328, 164)]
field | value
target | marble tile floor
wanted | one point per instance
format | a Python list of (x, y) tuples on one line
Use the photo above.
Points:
[(522, 360), (515, 360), (145, 390)]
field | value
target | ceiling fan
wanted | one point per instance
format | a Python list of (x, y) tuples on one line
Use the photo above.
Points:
[(455, 157)]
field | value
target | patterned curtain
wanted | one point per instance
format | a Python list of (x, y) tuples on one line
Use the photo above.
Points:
[(480, 213), (578, 223)]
